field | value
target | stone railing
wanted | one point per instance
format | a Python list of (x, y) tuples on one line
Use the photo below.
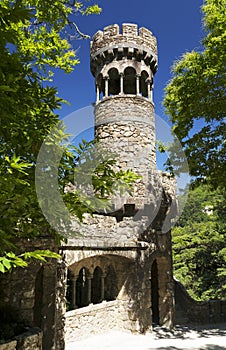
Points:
[(90, 320), (190, 311), (30, 340), (94, 319)]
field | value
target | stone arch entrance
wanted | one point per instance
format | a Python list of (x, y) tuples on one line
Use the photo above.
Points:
[(155, 293), (95, 279)]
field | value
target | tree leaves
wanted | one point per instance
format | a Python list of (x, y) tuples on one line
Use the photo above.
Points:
[(199, 255), (196, 96), (10, 259), (35, 38)]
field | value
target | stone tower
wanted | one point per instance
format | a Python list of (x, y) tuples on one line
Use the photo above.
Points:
[(120, 268), (123, 65)]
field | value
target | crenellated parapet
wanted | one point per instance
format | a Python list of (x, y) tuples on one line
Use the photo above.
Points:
[(128, 42)]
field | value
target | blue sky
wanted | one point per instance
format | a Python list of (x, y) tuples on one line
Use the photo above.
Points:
[(176, 24)]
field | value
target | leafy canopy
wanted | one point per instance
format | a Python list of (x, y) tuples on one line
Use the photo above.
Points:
[(36, 38), (199, 254), (195, 99)]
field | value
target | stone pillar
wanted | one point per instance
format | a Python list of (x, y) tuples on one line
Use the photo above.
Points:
[(73, 296), (102, 286), (149, 90), (89, 278), (137, 84), (151, 93), (121, 83), (106, 86), (97, 93)]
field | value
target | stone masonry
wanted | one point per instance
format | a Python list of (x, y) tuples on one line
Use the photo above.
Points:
[(120, 266), (116, 268)]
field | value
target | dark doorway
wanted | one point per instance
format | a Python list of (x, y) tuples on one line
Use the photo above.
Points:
[(38, 298), (110, 284), (82, 288), (96, 286), (154, 294)]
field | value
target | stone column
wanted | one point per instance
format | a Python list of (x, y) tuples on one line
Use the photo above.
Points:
[(97, 93), (89, 278), (121, 83), (73, 296), (106, 86), (151, 93), (102, 286), (137, 84), (150, 90)]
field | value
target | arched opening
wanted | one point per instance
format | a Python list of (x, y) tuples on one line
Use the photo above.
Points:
[(110, 284), (143, 83), (82, 287), (154, 293), (38, 298), (129, 83), (100, 86), (96, 286), (114, 82)]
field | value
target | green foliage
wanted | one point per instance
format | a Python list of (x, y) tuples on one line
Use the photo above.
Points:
[(35, 39), (10, 259), (196, 96), (199, 239)]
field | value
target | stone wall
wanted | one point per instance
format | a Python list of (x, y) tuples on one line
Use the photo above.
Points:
[(125, 126), (138, 212), (190, 311), (32, 293), (94, 319), (31, 340)]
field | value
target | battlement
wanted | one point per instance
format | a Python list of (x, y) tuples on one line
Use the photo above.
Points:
[(113, 39), (127, 30)]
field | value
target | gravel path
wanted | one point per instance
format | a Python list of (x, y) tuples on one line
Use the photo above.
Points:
[(192, 338)]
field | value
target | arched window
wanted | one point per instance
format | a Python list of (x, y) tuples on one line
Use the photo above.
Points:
[(82, 287), (114, 82), (110, 284), (96, 286), (143, 83), (129, 85)]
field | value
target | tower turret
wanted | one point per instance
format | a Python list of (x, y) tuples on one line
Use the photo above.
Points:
[(123, 63)]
